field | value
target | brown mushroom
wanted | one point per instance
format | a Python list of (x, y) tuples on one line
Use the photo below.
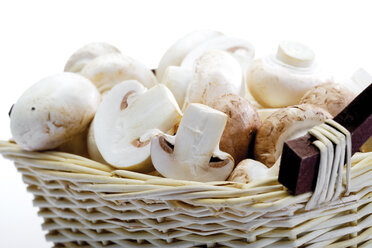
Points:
[(285, 124), (242, 124), (331, 97)]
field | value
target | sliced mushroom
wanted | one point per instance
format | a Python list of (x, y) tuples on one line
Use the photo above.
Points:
[(285, 124), (176, 53), (107, 70), (53, 111), (216, 73), (331, 97), (193, 154), (127, 112), (84, 55), (242, 125), (281, 81)]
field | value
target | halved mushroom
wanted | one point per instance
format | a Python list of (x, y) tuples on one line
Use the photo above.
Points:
[(285, 124), (107, 70), (176, 53), (193, 154), (331, 97), (53, 111), (266, 112), (84, 55), (242, 125), (216, 73), (128, 112)]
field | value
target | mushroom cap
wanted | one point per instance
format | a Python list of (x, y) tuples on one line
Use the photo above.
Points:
[(275, 84), (177, 52), (126, 113), (85, 54), (242, 124), (216, 73), (177, 80), (53, 111), (285, 124), (331, 97), (248, 170), (241, 50), (107, 70)]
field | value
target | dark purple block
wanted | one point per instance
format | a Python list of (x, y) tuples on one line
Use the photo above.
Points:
[(300, 159)]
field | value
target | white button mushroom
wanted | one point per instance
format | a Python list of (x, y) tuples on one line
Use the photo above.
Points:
[(177, 52), (285, 124), (240, 49), (107, 70), (216, 73), (84, 55), (331, 97), (53, 111), (92, 148), (250, 170), (242, 124), (281, 81), (128, 112), (193, 154)]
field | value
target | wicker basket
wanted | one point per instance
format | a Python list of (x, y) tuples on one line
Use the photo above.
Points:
[(88, 204)]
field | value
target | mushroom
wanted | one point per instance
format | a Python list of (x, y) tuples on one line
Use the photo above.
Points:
[(84, 55), (250, 170), (281, 81), (53, 111), (331, 97), (193, 153), (107, 70), (179, 77), (285, 124), (241, 50), (216, 73), (127, 112), (266, 112), (92, 148), (176, 53), (242, 125), (177, 80)]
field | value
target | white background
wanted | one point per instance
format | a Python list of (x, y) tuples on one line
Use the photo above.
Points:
[(37, 37)]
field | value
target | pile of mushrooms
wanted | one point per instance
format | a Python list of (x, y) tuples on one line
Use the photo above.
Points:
[(209, 113)]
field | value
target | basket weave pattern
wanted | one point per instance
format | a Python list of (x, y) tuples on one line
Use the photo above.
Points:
[(88, 204)]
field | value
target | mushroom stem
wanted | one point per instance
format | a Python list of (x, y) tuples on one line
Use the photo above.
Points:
[(198, 135)]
